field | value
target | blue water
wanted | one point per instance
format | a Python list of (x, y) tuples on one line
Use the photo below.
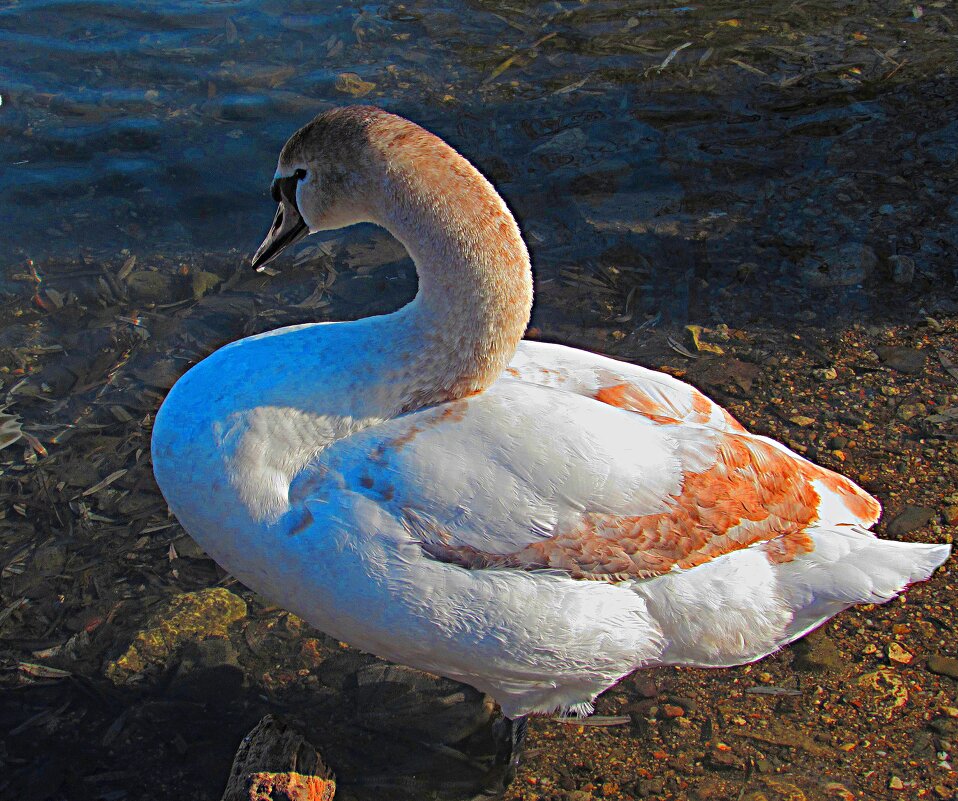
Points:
[(159, 123), (627, 136)]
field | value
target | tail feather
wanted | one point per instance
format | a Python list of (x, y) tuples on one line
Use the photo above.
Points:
[(852, 566), (742, 606)]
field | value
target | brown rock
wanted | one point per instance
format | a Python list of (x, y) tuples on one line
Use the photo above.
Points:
[(904, 360), (189, 617), (720, 757), (898, 654), (943, 665), (910, 518), (276, 763), (839, 791)]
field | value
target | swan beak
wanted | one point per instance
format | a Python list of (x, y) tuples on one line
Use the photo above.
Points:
[(287, 229)]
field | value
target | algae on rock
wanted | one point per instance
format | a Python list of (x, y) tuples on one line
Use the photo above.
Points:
[(188, 617)]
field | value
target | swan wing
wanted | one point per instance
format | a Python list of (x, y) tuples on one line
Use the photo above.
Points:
[(616, 383), (537, 478), (663, 398)]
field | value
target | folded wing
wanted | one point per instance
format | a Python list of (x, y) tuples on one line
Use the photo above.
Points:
[(533, 477)]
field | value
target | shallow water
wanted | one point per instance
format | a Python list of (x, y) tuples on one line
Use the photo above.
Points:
[(668, 143)]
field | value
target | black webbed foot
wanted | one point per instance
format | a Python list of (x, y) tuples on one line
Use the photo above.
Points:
[(510, 735)]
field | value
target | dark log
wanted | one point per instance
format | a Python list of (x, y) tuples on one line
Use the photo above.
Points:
[(276, 763)]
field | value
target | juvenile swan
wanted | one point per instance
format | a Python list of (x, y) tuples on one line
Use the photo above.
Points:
[(533, 520)]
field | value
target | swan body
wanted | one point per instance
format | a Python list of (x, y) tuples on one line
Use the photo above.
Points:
[(533, 520)]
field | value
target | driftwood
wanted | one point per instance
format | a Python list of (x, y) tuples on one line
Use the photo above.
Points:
[(276, 763)]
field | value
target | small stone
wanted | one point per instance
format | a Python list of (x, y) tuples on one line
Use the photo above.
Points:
[(802, 420), (686, 704), (208, 673), (870, 648), (150, 286), (672, 711), (723, 758), (902, 269), (898, 654), (202, 282), (837, 443), (943, 665), (909, 519), (840, 791), (896, 783), (351, 84), (647, 787), (950, 513), (909, 411), (944, 727), (825, 373)]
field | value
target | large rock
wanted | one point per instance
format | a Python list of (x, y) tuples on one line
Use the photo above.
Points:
[(192, 616), (276, 763)]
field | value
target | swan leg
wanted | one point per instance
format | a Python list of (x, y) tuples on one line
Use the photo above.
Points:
[(510, 737)]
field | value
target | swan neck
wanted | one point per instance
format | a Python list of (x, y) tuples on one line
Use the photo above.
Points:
[(475, 280)]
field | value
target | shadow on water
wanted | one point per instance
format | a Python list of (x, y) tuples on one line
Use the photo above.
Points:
[(792, 165)]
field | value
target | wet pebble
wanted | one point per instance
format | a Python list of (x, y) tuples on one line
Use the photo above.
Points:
[(390, 697), (839, 791), (191, 616), (208, 672), (150, 286), (909, 411)]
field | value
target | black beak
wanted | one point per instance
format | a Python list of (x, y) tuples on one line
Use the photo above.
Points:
[(288, 228)]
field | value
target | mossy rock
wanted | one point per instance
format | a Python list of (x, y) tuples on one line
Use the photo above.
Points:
[(190, 617)]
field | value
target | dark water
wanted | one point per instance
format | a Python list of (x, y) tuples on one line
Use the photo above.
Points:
[(649, 146)]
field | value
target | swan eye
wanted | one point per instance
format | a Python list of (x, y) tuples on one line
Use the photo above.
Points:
[(286, 187)]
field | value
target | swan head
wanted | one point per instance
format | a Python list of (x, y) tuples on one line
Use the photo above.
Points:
[(318, 184)]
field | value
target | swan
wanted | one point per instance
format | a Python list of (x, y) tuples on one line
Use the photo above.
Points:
[(531, 519)]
